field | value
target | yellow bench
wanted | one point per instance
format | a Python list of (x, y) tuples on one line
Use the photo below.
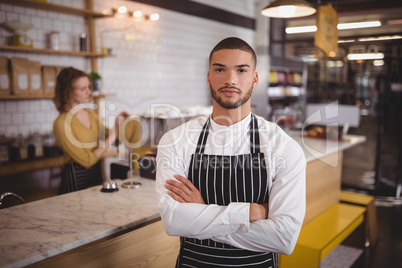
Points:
[(367, 201), (322, 234)]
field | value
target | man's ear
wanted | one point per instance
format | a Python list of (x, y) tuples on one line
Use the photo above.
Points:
[(255, 83)]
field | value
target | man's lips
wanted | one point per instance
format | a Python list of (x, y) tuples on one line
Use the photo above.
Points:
[(229, 91)]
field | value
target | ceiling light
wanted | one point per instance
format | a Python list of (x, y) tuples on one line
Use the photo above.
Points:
[(365, 56), (288, 9), (346, 41), (301, 29), (380, 38), (378, 63), (137, 14), (341, 26), (153, 17), (358, 25), (310, 58), (122, 9), (334, 64)]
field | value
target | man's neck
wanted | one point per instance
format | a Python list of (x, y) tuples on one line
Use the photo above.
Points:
[(227, 117)]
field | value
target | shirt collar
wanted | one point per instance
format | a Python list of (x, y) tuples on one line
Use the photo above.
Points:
[(241, 124)]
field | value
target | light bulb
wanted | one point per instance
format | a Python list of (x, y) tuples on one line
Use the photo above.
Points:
[(287, 11), (122, 9), (137, 14), (154, 16)]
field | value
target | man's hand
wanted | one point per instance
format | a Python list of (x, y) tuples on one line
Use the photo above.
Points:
[(183, 190), (258, 212)]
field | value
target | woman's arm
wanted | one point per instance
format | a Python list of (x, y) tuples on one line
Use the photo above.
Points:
[(84, 154), (111, 135)]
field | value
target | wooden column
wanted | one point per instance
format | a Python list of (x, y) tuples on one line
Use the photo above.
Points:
[(91, 35)]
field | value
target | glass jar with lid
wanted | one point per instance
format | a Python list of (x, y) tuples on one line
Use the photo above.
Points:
[(18, 149), (35, 145), (4, 144)]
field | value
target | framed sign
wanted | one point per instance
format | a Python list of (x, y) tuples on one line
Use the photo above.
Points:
[(326, 36)]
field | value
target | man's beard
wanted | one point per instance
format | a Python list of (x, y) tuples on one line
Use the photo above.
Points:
[(229, 104)]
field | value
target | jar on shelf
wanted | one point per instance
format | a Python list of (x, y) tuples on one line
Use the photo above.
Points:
[(83, 42), (50, 148), (4, 145), (35, 146), (54, 40), (18, 149)]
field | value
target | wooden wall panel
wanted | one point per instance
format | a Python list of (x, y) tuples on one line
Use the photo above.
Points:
[(148, 246), (323, 184)]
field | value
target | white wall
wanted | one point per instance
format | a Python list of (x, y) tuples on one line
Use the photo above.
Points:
[(166, 63)]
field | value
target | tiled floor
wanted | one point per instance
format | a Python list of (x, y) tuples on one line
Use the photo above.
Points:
[(342, 256), (359, 175)]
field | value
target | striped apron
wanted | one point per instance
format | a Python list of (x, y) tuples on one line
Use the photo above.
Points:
[(222, 180), (75, 177)]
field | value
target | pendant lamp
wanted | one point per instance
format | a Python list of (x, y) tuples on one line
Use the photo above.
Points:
[(288, 9)]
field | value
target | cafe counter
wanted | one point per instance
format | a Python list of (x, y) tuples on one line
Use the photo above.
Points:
[(90, 225), (42, 229)]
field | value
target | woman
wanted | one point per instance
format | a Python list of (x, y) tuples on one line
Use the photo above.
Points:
[(79, 132)]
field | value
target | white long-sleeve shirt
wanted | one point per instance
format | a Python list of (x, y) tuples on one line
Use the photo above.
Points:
[(230, 224)]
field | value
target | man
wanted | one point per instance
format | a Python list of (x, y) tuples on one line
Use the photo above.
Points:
[(231, 185)]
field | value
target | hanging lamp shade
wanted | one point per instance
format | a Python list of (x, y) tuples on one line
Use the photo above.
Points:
[(288, 9)]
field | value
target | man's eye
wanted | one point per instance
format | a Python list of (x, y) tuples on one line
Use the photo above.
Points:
[(219, 70), (242, 71)]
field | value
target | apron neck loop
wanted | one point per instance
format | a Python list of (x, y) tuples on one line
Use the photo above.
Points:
[(254, 136)]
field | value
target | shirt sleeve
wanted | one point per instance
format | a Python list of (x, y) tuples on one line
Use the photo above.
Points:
[(287, 208), (189, 219), (83, 156)]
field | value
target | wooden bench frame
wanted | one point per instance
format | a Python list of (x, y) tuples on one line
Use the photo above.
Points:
[(371, 224)]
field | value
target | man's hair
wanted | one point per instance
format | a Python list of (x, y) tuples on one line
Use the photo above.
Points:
[(64, 87), (234, 43)]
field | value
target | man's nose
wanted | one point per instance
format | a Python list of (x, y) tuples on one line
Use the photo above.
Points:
[(231, 78)]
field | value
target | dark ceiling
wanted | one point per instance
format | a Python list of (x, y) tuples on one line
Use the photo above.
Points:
[(387, 11)]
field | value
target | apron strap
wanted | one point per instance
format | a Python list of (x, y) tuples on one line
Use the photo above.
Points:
[(254, 135), (202, 140)]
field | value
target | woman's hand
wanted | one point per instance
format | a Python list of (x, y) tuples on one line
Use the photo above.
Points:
[(120, 118), (104, 146)]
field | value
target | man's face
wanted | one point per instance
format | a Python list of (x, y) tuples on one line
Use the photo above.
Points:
[(232, 77)]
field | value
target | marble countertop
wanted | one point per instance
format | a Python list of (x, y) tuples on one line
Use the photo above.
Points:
[(38, 230)]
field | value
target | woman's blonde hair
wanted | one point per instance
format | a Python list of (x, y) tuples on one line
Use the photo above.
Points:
[(64, 87)]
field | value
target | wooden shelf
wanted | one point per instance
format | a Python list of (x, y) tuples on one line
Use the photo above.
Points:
[(56, 8), (41, 163), (104, 95), (24, 97), (30, 165), (29, 97), (56, 52)]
